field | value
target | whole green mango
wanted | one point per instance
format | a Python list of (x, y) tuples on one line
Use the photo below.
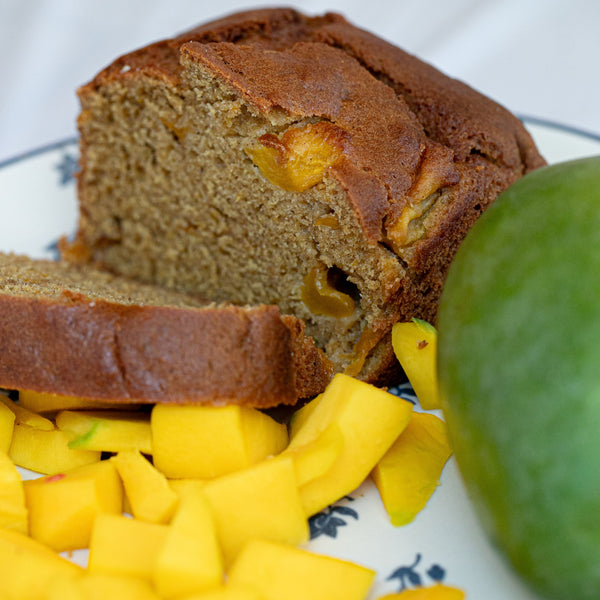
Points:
[(519, 373)]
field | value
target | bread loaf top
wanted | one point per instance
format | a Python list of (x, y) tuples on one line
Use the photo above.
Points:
[(431, 121)]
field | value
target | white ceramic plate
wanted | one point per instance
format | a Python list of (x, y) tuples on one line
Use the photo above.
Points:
[(444, 543)]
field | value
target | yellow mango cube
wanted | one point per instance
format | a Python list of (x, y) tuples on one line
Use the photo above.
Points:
[(300, 416), (202, 442), (148, 492), (261, 501), (43, 402), (227, 592), (415, 346), (106, 431), (27, 567), (65, 589), (179, 486), (315, 458), (369, 420), (23, 416), (123, 546), (281, 572), (13, 513), (47, 452), (7, 425), (409, 472), (438, 591), (190, 560), (62, 507), (98, 586), (300, 158)]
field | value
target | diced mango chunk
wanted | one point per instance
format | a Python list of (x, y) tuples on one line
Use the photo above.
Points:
[(98, 586), (261, 501), (24, 416), (369, 419), (323, 298), (409, 473), (439, 591), (228, 592), (62, 507), (13, 513), (27, 567), (123, 546), (149, 494), (415, 346), (47, 452), (300, 416), (190, 560), (43, 402), (205, 441), (281, 572), (107, 431), (298, 160), (7, 425), (315, 458)]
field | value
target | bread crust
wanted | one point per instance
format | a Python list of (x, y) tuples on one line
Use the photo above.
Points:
[(77, 345)]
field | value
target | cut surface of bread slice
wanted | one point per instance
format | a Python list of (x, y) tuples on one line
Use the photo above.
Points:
[(78, 331), (276, 158)]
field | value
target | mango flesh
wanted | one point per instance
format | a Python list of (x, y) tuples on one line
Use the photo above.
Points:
[(410, 470), (13, 512), (369, 419), (415, 346), (518, 360), (201, 442), (94, 586), (62, 507), (125, 547), (227, 592), (261, 501), (7, 425), (148, 492), (42, 402), (314, 459), (47, 451), (190, 560), (299, 159), (106, 431), (28, 567), (439, 591), (24, 416), (281, 572)]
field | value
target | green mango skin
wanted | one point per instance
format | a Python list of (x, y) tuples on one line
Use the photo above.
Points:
[(519, 372)]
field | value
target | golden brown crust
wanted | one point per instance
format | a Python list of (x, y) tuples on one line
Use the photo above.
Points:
[(67, 343)]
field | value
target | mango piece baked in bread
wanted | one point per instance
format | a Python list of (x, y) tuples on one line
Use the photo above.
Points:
[(275, 158), (78, 331)]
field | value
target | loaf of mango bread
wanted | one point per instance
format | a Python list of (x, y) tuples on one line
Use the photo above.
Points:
[(78, 331), (275, 158)]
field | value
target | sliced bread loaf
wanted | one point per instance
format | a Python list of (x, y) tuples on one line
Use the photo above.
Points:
[(276, 158), (77, 331)]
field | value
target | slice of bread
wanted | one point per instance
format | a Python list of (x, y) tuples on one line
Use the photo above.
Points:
[(77, 331), (276, 158)]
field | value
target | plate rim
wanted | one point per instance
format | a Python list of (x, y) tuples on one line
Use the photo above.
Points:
[(7, 162)]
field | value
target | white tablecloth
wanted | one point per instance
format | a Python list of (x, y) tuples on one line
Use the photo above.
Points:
[(537, 57)]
